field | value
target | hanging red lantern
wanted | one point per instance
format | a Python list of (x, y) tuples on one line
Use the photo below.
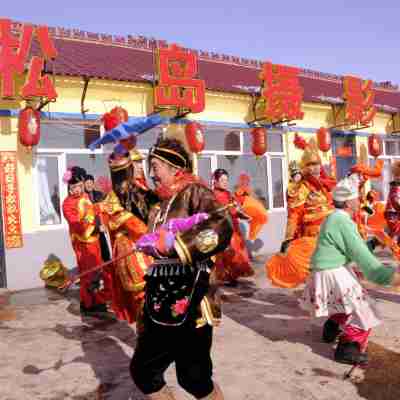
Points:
[(375, 147), (323, 139), (120, 113), (259, 145), (113, 118), (195, 137), (29, 127), (299, 142)]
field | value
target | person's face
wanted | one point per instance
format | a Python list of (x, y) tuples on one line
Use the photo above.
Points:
[(162, 173), (353, 205), (89, 185), (314, 169), (137, 169), (296, 178), (223, 182), (76, 189)]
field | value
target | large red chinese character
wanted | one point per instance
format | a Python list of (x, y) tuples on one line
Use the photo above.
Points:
[(282, 92), (177, 86), (13, 56), (359, 98)]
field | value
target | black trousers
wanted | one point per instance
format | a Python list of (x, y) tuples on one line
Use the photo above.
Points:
[(159, 346)]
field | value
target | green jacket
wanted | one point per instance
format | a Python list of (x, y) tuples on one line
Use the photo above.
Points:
[(339, 243)]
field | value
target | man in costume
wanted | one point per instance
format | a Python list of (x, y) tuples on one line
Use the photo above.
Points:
[(80, 214), (309, 203), (234, 262), (179, 312), (309, 199), (392, 210), (333, 289), (125, 229)]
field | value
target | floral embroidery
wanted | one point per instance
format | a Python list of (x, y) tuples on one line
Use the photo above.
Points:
[(180, 307)]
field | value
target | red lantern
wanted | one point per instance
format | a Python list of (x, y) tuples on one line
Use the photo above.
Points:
[(195, 137), (375, 147), (299, 142), (323, 139), (29, 127), (259, 145), (113, 118)]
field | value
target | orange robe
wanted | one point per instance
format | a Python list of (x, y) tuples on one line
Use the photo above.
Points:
[(234, 262), (80, 215), (129, 268), (309, 203)]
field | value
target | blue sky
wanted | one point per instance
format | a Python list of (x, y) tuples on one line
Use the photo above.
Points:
[(342, 37)]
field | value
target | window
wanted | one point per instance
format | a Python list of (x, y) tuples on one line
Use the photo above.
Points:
[(274, 141), (278, 200), (67, 135), (47, 174)]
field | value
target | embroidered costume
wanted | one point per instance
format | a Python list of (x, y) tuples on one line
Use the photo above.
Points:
[(80, 214), (234, 262), (179, 308), (392, 210), (309, 202), (125, 228)]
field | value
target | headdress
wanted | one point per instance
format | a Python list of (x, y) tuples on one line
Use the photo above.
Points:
[(310, 156), (172, 152), (294, 168), (135, 155), (74, 175), (346, 189)]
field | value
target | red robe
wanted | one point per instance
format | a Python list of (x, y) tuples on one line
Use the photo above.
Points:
[(392, 210), (127, 272), (233, 262), (80, 215)]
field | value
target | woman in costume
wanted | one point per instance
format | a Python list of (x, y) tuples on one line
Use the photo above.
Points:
[(234, 262), (333, 289), (84, 231), (125, 229)]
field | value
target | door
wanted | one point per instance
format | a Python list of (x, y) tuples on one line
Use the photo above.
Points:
[(206, 165)]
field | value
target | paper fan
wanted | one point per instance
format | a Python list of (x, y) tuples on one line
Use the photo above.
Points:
[(291, 269)]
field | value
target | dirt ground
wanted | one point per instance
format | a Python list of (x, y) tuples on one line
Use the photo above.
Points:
[(266, 348)]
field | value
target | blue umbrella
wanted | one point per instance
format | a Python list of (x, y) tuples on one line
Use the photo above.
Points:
[(129, 129)]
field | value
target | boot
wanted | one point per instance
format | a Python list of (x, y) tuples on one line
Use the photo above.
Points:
[(349, 353), (330, 331), (216, 394), (163, 394)]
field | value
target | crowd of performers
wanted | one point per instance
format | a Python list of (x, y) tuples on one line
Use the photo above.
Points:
[(166, 250)]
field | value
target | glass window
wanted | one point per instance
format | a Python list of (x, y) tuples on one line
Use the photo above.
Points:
[(148, 138), (382, 185), (274, 141), (48, 185), (278, 200), (68, 135), (94, 164), (256, 169), (204, 169), (392, 147)]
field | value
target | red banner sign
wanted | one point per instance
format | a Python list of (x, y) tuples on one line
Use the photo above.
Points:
[(10, 199), (282, 92), (177, 86), (359, 96), (14, 52)]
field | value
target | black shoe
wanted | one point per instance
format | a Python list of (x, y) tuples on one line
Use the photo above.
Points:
[(349, 353), (330, 331)]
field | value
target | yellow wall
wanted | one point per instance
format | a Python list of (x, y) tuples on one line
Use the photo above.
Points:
[(102, 95)]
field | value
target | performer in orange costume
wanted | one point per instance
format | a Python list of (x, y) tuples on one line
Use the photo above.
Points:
[(251, 206), (234, 262), (309, 202), (125, 228), (80, 214)]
